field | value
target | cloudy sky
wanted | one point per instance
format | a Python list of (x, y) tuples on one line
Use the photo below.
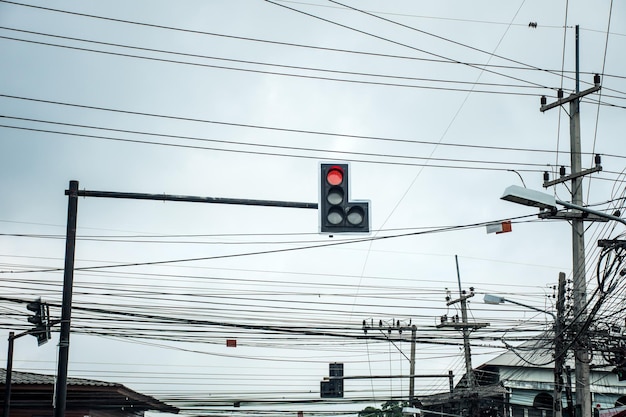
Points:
[(435, 106)]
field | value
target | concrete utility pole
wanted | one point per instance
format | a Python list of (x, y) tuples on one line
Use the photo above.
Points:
[(559, 352), (581, 354), (464, 325), (412, 366), (466, 328), (396, 326)]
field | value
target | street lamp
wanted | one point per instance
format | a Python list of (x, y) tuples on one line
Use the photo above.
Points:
[(544, 201), (496, 299), (558, 360), (528, 197)]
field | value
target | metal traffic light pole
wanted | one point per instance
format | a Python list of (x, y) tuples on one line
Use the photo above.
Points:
[(357, 219), (9, 370), (41, 331), (70, 245), (7, 384), (66, 307)]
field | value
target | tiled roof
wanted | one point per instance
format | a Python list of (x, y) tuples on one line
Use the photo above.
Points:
[(28, 378), (106, 393), (535, 353)]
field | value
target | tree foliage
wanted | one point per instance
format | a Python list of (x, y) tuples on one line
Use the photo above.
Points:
[(388, 409)]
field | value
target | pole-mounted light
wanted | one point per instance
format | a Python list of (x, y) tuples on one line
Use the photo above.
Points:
[(528, 197), (496, 299)]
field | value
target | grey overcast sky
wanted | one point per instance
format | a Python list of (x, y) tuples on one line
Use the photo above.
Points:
[(435, 106)]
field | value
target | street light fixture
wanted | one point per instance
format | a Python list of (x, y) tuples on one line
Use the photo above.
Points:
[(544, 201), (558, 359), (496, 299), (528, 197)]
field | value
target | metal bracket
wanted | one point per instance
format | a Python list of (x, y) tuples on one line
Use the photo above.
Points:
[(547, 184)]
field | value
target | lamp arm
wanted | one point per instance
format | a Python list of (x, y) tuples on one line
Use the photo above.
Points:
[(591, 211), (531, 307)]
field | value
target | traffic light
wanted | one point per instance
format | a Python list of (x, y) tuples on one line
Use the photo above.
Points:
[(334, 387), (41, 320), (337, 213)]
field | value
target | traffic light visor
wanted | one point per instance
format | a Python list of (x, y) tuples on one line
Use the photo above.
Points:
[(34, 306)]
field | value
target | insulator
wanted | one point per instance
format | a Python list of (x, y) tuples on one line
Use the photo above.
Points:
[(598, 159), (559, 93), (544, 100), (380, 323), (546, 176), (562, 171), (596, 79)]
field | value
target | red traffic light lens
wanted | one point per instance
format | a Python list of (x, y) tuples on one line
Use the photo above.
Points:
[(334, 176)]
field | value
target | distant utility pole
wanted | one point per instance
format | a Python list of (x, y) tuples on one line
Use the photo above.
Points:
[(464, 325), (412, 366), (581, 354), (396, 325), (559, 352)]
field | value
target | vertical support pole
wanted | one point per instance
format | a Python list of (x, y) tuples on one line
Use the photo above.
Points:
[(581, 355), (66, 308), (451, 380), (568, 391), (7, 384), (577, 59), (469, 371), (412, 366), (559, 353)]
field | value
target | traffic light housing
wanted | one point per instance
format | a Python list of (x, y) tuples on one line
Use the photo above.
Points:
[(41, 320), (337, 213), (333, 388)]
